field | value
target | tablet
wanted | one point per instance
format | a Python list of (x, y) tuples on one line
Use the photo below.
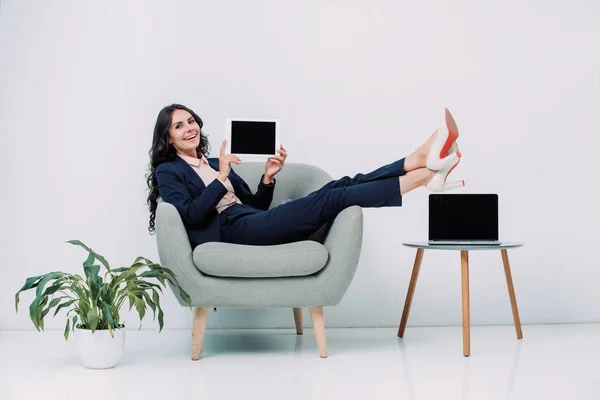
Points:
[(252, 138)]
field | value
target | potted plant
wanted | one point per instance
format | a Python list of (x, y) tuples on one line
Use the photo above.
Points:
[(93, 303)]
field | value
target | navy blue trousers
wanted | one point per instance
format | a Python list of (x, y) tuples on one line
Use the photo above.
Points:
[(298, 219)]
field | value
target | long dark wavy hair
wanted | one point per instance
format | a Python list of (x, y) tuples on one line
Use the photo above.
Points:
[(161, 151)]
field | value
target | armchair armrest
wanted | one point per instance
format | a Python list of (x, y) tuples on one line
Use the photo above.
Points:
[(343, 242), (174, 249)]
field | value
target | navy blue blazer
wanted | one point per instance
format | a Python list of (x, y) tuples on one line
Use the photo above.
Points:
[(180, 185)]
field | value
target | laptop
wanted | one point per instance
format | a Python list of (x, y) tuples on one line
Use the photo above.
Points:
[(463, 219)]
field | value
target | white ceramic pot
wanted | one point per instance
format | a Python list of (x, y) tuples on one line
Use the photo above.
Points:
[(100, 350)]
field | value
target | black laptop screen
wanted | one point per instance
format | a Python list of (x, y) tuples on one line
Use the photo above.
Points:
[(253, 137), (463, 217)]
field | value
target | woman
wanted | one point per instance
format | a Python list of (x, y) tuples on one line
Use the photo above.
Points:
[(216, 204)]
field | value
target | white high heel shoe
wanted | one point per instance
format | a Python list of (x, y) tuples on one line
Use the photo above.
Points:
[(438, 182), (445, 139)]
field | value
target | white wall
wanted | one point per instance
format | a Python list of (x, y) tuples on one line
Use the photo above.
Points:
[(356, 84)]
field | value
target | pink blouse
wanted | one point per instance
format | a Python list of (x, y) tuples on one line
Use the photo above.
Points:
[(208, 174)]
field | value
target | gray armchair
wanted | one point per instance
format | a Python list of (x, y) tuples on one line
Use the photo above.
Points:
[(313, 273)]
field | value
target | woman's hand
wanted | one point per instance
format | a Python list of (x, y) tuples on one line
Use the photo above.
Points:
[(274, 165), (225, 161)]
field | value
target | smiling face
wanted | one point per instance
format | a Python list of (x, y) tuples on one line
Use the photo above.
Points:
[(184, 133)]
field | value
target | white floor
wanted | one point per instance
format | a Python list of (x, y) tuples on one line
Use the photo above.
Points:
[(550, 362)]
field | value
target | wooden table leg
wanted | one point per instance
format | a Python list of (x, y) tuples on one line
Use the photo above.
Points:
[(298, 320), (198, 328), (511, 294), (318, 321), (411, 291), (464, 263)]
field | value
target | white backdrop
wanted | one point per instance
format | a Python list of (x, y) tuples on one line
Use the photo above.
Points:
[(356, 84)]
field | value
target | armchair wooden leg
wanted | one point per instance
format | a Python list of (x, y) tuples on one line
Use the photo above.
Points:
[(464, 263), (411, 291), (298, 320), (316, 315), (511, 294), (198, 327)]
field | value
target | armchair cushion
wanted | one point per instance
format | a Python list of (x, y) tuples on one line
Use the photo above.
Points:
[(243, 261)]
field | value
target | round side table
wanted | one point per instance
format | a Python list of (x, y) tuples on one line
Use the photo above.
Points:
[(464, 261)]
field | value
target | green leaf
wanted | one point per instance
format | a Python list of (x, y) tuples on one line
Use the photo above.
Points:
[(55, 287), (166, 272), (155, 297), (79, 289), (144, 261), (131, 300), (67, 327), (170, 274), (160, 313), (35, 312), (89, 250), (94, 282), (75, 322), (145, 298), (92, 319), (151, 274), (148, 285), (30, 283), (150, 303), (65, 304), (90, 260), (83, 307), (46, 278), (140, 307), (125, 276), (107, 294), (91, 272), (185, 297), (118, 270), (160, 319), (108, 315), (53, 303)]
